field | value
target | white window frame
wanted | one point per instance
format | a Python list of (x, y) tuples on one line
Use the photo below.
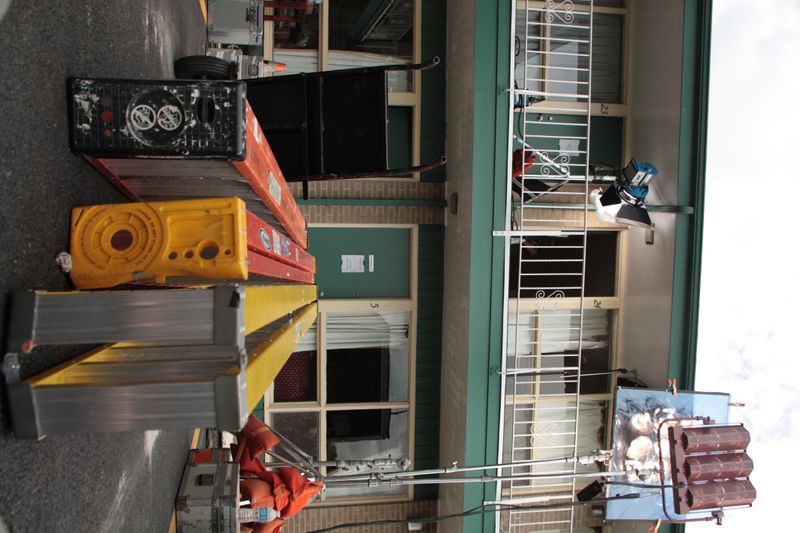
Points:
[(320, 406), (597, 109)]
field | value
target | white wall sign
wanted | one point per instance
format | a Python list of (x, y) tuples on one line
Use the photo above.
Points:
[(569, 145), (352, 263)]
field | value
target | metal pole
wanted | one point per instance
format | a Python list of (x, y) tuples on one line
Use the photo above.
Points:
[(599, 456), (383, 482)]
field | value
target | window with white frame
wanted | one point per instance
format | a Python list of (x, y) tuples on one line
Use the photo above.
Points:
[(345, 393), (345, 34), (541, 420), (543, 404), (551, 54)]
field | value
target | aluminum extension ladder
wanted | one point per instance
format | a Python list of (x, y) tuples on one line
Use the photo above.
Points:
[(180, 358)]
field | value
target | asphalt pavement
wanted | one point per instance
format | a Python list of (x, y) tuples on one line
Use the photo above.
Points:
[(81, 482)]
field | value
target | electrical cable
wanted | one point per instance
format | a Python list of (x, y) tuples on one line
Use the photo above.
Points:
[(482, 509)]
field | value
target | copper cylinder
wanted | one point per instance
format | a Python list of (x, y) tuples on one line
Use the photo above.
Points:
[(717, 466), (727, 494), (711, 439)]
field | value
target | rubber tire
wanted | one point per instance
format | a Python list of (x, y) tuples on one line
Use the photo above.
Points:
[(202, 68)]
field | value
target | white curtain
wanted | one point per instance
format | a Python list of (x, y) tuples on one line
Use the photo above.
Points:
[(559, 330), (360, 330), (366, 330), (553, 434), (344, 59), (308, 342), (520, 338), (555, 426), (299, 60)]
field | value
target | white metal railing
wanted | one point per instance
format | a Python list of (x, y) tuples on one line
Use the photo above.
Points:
[(545, 257)]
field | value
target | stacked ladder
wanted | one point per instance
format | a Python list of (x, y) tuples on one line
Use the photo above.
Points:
[(218, 285), (177, 358), (544, 319)]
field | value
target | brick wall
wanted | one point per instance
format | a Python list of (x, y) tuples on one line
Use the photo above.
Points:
[(553, 520), (313, 518), (358, 188), (372, 214)]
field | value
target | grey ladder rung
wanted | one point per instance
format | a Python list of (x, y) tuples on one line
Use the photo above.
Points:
[(162, 353), (153, 316), (133, 372), (132, 386), (132, 407)]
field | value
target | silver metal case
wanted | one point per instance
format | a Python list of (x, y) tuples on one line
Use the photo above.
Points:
[(208, 499)]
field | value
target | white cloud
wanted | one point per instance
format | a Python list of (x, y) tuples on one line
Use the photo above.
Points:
[(749, 339)]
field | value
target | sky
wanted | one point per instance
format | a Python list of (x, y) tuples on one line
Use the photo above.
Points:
[(749, 328)]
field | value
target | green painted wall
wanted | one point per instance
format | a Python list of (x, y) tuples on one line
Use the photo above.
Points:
[(259, 410), (429, 352), (606, 141), (434, 43), (391, 248), (399, 137)]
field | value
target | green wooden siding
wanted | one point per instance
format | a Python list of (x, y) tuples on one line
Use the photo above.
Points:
[(434, 43), (606, 136), (429, 352), (259, 410), (390, 248), (607, 141), (399, 137)]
